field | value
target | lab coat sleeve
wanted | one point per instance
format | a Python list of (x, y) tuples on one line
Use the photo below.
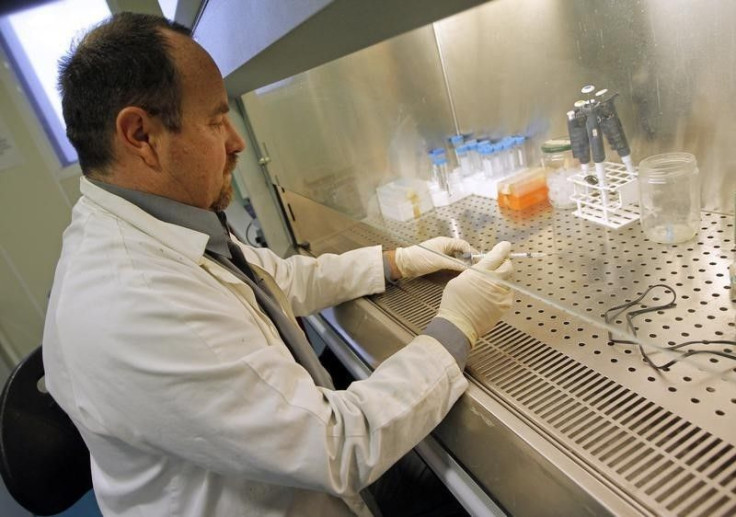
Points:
[(173, 364), (311, 284)]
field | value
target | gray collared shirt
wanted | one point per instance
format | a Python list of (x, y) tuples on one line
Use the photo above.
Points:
[(174, 212)]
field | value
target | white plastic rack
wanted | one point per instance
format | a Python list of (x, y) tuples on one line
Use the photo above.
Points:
[(615, 205)]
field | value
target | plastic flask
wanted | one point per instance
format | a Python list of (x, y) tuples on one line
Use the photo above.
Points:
[(522, 190), (669, 197)]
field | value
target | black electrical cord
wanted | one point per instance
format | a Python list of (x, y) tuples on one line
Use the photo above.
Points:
[(247, 229), (611, 314)]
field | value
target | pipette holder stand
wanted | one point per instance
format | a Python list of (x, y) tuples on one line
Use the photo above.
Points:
[(621, 208)]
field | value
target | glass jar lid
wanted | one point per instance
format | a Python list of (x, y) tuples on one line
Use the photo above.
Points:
[(556, 145)]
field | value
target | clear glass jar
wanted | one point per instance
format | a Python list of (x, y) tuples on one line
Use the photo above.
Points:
[(669, 197), (559, 165)]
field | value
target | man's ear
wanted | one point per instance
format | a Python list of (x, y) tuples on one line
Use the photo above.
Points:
[(138, 134)]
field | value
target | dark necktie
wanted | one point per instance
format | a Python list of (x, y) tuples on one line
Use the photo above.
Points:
[(239, 260), (290, 333), (236, 253)]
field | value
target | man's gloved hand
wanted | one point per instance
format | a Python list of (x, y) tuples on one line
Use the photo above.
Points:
[(430, 256), (472, 301)]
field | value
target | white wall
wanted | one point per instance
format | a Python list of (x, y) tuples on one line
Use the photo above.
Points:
[(35, 207)]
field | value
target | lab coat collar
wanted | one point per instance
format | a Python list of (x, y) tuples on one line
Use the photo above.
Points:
[(189, 242)]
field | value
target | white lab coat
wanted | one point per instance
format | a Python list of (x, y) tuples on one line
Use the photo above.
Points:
[(187, 398)]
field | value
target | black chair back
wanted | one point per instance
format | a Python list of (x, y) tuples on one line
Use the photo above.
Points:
[(43, 459)]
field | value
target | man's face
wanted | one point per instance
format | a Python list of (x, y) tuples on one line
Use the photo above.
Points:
[(200, 158)]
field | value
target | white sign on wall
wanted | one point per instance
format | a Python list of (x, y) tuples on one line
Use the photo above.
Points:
[(9, 154)]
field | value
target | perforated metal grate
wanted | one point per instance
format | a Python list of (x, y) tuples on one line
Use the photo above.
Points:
[(593, 269), (665, 438)]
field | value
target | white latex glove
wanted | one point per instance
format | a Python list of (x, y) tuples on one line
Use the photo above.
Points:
[(430, 256), (472, 301)]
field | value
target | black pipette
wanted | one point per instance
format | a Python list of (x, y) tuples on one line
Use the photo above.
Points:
[(579, 136), (611, 125), (595, 138)]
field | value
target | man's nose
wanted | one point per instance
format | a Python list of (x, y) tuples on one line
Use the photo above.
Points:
[(236, 143)]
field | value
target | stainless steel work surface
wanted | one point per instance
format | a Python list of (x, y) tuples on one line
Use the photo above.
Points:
[(664, 439)]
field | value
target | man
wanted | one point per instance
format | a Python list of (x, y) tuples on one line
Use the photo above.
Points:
[(173, 348)]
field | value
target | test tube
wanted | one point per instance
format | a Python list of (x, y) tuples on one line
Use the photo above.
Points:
[(499, 166), (485, 152), (509, 154), (439, 164), (463, 160), (473, 155), (456, 141), (520, 153)]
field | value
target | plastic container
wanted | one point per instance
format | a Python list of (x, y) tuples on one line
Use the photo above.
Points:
[(404, 199), (522, 190), (669, 197), (559, 165)]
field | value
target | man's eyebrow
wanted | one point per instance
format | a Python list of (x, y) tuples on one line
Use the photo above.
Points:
[(220, 109)]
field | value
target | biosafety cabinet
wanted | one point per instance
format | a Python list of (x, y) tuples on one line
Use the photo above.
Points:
[(583, 400)]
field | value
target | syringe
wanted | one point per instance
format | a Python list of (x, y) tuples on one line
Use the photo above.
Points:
[(475, 257)]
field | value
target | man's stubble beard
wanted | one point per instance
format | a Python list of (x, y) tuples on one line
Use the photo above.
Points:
[(226, 193)]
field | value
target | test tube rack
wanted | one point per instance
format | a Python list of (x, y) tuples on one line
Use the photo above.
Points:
[(621, 187)]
